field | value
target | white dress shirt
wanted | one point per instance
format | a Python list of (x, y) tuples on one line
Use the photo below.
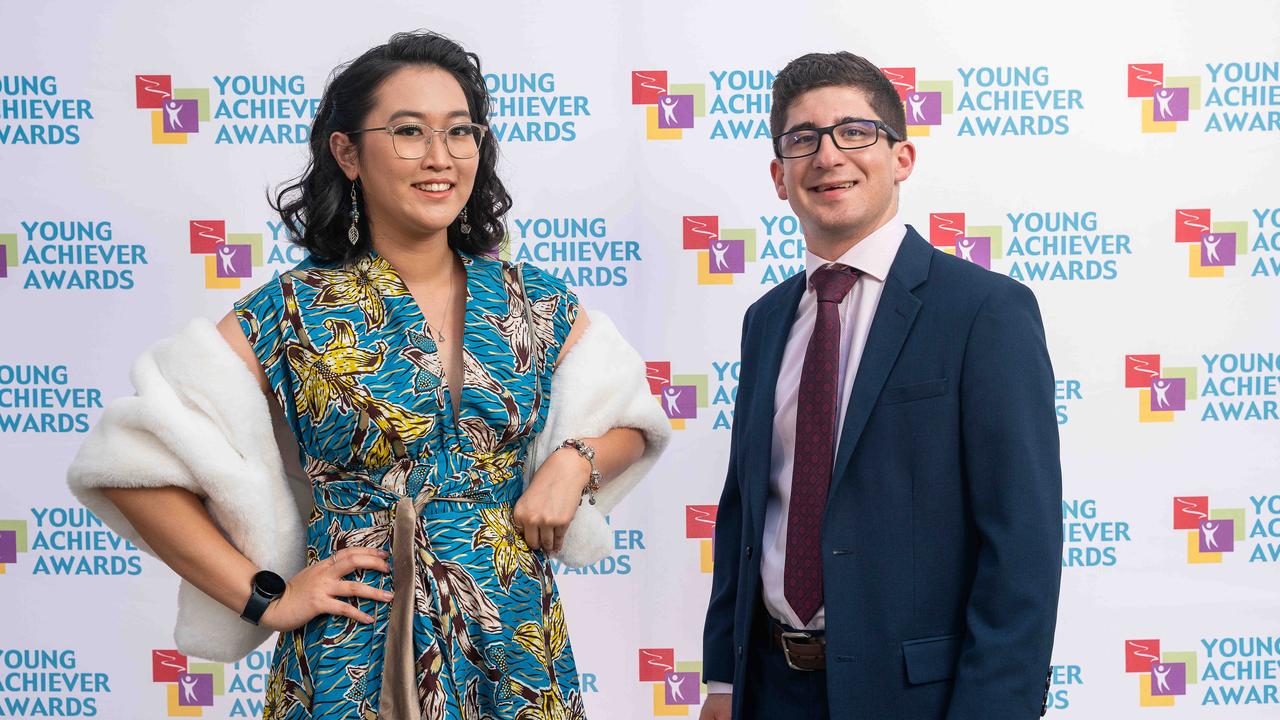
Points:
[(873, 256)]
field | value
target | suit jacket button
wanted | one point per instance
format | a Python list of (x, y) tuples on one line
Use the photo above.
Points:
[(739, 651), (748, 552)]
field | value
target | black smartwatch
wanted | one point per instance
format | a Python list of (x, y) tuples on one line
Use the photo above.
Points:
[(265, 587)]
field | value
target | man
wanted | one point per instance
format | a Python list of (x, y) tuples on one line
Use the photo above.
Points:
[(888, 541)]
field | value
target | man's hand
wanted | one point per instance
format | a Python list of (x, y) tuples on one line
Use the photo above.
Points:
[(717, 707)]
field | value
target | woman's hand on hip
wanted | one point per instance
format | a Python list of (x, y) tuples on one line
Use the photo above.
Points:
[(544, 511), (318, 589)]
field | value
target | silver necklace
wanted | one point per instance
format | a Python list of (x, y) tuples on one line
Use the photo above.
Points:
[(439, 336)]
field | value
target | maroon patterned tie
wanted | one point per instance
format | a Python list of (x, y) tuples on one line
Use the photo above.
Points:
[(815, 441)]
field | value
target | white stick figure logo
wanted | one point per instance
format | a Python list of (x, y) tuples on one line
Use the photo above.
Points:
[(171, 108), (675, 688), (669, 110), (1162, 677), (1161, 388), (964, 248), (189, 689), (916, 101), (718, 250), (227, 255), (672, 396), (1210, 535), (1210, 243), (1163, 97)]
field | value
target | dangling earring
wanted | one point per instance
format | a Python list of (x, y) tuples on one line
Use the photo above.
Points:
[(353, 234), (463, 225)]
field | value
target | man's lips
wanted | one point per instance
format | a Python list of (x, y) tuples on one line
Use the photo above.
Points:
[(832, 187)]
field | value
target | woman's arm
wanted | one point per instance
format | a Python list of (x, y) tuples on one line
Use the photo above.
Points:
[(175, 524)]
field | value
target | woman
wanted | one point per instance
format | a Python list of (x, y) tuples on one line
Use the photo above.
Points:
[(414, 372)]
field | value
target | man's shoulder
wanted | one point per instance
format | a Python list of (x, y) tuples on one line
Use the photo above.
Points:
[(965, 284)]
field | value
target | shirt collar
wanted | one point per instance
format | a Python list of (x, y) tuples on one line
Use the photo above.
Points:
[(872, 256)]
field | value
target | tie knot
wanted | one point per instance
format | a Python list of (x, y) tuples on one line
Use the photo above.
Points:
[(833, 281)]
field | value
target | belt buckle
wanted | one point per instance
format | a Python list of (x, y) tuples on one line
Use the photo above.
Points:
[(788, 635)]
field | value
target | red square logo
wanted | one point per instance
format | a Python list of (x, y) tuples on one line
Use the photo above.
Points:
[(1140, 370), (1145, 77), (904, 79), (166, 665), (151, 90), (944, 228), (658, 373), (655, 663), (1189, 510), (1190, 225), (698, 230), (647, 86), (700, 521), (1140, 654), (207, 235)]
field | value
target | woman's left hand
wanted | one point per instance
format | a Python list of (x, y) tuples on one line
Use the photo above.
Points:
[(544, 511)]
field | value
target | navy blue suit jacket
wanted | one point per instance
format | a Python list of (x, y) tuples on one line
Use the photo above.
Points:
[(942, 536)]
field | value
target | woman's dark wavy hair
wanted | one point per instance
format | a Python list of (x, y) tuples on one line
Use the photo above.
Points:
[(316, 205)]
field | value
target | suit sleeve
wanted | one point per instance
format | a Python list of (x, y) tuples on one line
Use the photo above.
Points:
[(718, 652), (1010, 438)]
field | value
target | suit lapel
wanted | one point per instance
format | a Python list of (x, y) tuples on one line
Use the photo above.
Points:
[(893, 319), (770, 341)]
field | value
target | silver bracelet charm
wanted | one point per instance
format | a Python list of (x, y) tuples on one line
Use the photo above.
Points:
[(589, 454)]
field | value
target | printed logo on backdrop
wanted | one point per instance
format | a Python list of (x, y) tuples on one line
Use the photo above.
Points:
[(690, 397), (1062, 680), (64, 541), (1217, 247), (70, 255), (42, 399), (992, 101), (1215, 533), (1241, 96), (531, 107), (191, 687), (628, 544), (233, 109), (33, 111), (700, 525), (230, 258), (737, 102), (1235, 671), (724, 253), (49, 683), (576, 250), (1237, 387), (1091, 538), (1041, 246), (677, 685)]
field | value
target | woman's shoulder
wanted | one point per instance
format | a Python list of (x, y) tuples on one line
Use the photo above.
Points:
[(270, 294)]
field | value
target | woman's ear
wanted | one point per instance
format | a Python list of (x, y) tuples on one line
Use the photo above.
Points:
[(346, 152)]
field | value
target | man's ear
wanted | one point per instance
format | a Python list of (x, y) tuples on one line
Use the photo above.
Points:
[(346, 153), (778, 173), (904, 160)]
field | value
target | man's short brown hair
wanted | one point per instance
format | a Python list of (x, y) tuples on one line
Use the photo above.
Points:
[(817, 70)]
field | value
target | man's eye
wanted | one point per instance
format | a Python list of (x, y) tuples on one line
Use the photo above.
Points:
[(853, 132), (802, 139)]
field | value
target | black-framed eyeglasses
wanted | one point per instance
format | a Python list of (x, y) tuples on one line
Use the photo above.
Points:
[(849, 135), (411, 140)]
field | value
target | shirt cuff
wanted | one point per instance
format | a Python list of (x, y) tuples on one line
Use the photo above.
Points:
[(715, 687)]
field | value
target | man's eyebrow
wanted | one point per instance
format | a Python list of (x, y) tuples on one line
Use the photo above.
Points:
[(807, 125)]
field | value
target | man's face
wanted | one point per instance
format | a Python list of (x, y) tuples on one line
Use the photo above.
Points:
[(840, 195)]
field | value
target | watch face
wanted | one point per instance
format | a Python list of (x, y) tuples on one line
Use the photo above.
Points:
[(269, 583)]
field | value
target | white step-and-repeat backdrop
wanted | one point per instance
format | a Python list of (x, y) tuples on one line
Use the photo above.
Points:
[(1119, 158)]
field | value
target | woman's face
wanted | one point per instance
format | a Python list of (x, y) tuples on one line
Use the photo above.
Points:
[(410, 199)]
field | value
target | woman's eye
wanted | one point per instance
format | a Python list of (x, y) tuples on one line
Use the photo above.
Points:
[(409, 130)]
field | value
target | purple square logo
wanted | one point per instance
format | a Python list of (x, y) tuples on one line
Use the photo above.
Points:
[(1170, 104), (1168, 679), (4, 261), (924, 108), (234, 261), (680, 401), (974, 249), (1217, 249), (682, 688), (180, 116), (8, 546), (1168, 394), (1217, 535), (675, 111), (195, 690), (727, 256)]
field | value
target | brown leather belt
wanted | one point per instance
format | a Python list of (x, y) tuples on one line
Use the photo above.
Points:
[(804, 650)]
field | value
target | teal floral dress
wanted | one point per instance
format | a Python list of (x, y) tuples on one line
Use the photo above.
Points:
[(353, 364)]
